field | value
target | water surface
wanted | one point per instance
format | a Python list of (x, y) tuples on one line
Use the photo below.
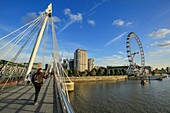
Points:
[(121, 97)]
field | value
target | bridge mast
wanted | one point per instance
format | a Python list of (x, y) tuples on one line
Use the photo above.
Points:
[(48, 13)]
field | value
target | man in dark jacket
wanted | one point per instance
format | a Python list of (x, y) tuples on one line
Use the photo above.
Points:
[(37, 80)]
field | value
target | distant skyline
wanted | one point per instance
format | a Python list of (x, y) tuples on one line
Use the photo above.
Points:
[(100, 27)]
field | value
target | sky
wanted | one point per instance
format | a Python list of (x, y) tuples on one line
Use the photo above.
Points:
[(100, 26)]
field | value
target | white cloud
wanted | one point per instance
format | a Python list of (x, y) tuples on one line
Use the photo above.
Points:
[(97, 5), (72, 18), (120, 22), (160, 33), (154, 44), (33, 15), (92, 10), (165, 43), (113, 57), (111, 60), (30, 16), (161, 44), (128, 23), (67, 25), (56, 19), (122, 53), (159, 52), (92, 22), (113, 40), (67, 54), (6, 28)]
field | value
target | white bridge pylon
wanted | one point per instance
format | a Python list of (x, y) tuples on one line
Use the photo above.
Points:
[(48, 14)]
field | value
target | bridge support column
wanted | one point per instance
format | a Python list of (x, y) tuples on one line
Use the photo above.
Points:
[(34, 52)]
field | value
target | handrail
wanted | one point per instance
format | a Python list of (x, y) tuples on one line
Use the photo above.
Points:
[(67, 108)]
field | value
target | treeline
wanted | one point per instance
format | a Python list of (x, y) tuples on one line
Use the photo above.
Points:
[(160, 71), (96, 72)]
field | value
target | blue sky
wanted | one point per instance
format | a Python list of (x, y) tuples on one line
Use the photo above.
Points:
[(100, 27)]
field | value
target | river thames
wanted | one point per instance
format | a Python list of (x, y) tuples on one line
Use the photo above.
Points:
[(121, 97)]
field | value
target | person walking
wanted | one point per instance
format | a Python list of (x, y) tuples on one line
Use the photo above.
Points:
[(37, 80)]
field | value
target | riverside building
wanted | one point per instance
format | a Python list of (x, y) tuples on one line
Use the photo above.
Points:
[(90, 64), (81, 60)]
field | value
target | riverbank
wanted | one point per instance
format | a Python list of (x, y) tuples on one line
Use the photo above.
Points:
[(99, 78)]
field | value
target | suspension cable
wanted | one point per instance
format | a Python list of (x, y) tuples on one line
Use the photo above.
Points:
[(31, 34), (33, 31), (16, 42), (19, 51), (21, 27), (20, 33), (45, 42), (15, 57)]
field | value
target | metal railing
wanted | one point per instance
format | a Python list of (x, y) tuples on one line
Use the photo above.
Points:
[(65, 104)]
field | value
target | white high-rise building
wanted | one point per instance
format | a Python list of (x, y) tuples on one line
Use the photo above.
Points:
[(81, 60)]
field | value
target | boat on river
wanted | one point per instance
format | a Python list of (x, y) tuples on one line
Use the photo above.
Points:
[(144, 82)]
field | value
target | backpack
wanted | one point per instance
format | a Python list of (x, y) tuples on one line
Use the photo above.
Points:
[(35, 78)]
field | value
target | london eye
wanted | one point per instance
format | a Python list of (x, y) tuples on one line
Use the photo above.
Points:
[(134, 68)]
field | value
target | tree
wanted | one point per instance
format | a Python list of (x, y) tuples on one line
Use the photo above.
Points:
[(93, 72), (112, 72), (123, 72), (84, 73), (116, 71), (76, 72), (100, 72), (163, 70), (70, 72), (107, 72)]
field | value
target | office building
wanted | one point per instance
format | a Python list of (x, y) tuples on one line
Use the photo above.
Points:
[(90, 64), (81, 60)]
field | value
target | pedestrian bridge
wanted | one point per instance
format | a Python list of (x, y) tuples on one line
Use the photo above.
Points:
[(20, 99), (18, 52)]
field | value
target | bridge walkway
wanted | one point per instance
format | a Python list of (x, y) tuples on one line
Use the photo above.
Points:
[(20, 99)]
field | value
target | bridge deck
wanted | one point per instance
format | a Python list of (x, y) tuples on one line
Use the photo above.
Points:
[(20, 100)]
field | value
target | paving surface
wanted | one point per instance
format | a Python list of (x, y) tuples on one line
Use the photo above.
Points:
[(20, 99)]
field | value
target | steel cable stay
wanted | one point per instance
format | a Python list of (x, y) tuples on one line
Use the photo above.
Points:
[(49, 68), (21, 34), (45, 43), (21, 27), (33, 32), (62, 91), (60, 67), (24, 52), (29, 37), (57, 65), (54, 39), (15, 57), (11, 74), (15, 43)]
